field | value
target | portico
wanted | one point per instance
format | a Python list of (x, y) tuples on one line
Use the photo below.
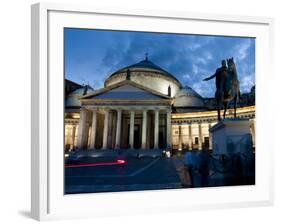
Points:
[(126, 122), (128, 125)]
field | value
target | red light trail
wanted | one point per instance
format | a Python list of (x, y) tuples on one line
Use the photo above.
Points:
[(118, 162)]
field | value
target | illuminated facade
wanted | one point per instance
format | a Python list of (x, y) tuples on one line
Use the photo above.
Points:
[(142, 106)]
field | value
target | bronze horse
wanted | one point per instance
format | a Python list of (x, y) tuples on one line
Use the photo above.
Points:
[(229, 90), (227, 85)]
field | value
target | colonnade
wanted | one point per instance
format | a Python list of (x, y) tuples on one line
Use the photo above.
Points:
[(191, 135), (83, 134)]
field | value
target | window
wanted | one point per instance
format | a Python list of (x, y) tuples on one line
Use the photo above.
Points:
[(206, 142), (196, 140)]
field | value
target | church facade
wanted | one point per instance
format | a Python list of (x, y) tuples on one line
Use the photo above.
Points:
[(142, 106)]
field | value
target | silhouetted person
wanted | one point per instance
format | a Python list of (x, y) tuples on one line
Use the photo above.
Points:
[(190, 164), (203, 162)]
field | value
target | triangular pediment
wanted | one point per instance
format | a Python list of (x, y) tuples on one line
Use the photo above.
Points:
[(126, 90)]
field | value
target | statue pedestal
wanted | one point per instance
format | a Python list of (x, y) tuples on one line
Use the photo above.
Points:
[(231, 136)]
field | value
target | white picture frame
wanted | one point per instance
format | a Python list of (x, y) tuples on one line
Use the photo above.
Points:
[(48, 201)]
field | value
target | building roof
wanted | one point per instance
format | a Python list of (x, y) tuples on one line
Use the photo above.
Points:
[(73, 98), (129, 92), (70, 86), (187, 91), (187, 97), (145, 65)]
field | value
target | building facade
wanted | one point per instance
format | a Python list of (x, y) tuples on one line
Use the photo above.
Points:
[(142, 106)]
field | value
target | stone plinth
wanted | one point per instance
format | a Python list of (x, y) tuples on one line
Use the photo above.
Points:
[(231, 136)]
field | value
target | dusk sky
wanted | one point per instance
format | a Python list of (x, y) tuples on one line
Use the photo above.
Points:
[(92, 55)]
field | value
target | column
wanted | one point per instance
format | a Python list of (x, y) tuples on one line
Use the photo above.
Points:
[(132, 129), (180, 140), (200, 136), (210, 138), (73, 137), (82, 131), (118, 129), (94, 130), (156, 129), (144, 128), (168, 124), (253, 130), (149, 130), (190, 137), (76, 136), (105, 130), (114, 124), (110, 126)]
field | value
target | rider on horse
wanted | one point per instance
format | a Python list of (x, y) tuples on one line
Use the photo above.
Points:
[(227, 85), (218, 75)]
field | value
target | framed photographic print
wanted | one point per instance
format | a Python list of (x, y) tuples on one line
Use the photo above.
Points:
[(148, 111)]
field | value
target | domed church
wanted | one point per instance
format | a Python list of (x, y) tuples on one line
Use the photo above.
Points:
[(141, 106)]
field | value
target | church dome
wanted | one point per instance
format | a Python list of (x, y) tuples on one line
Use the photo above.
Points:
[(188, 98), (72, 99), (149, 75)]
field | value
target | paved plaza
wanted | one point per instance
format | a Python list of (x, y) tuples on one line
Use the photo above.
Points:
[(129, 173), (134, 174)]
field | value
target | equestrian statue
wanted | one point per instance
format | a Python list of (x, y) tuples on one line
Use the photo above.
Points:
[(227, 86)]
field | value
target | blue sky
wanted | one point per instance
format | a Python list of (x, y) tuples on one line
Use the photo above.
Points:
[(92, 55)]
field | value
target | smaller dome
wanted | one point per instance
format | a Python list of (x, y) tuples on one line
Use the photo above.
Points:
[(72, 99), (187, 97), (187, 91)]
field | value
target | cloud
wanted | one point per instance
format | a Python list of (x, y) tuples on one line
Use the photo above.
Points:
[(243, 49), (194, 46), (187, 77), (203, 88), (208, 55), (93, 55), (246, 83)]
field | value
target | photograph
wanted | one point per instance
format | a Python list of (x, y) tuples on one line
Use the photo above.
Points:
[(157, 111)]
